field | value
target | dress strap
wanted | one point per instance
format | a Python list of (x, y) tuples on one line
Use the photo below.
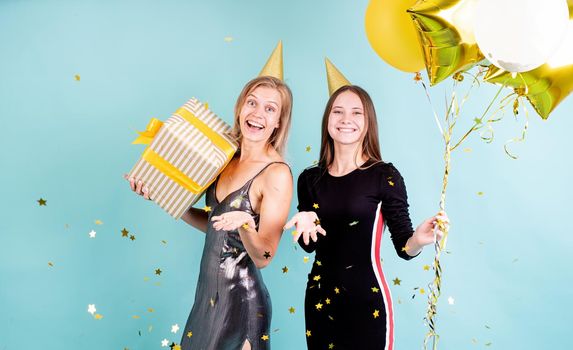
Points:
[(263, 169)]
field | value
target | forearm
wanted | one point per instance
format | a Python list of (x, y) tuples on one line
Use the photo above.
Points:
[(260, 249), (196, 218), (413, 247)]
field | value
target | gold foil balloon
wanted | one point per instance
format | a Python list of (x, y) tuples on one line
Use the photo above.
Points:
[(392, 35), (520, 35), (445, 29), (545, 87)]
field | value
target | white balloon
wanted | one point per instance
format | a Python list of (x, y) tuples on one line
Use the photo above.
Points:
[(520, 35)]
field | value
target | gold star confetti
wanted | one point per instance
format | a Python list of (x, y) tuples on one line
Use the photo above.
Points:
[(267, 255), (99, 222), (336, 290), (318, 263), (308, 333), (327, 301), (285, 269), (391, 183), (315, 205), (375, 290), (77, 77), (405, 249), (426, 267), (294, 233), (376, 313), (135, 317), (206, 209), (317, 221), (150, 309), (124, 232), (265, 337), (480, 193), (50, 264), (189, 334), (316, 278), (291, 310), (42, 202), (331, 346), (236, 203), (353, 223), (176, 347), (158, 272), (305, 259), (132, 237), (318, 306), (246, 226), (467, 150), (228, 39), (98, 316), (397, 281), (146, 279), (422, 291), (307, 148)]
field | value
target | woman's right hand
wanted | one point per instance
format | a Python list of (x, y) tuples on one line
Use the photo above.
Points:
[(138, 186), (307, 224)]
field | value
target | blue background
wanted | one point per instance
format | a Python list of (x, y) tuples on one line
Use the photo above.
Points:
[(69, 142)]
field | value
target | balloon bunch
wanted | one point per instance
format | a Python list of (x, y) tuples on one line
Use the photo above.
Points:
[(525, 45), (529, 43)]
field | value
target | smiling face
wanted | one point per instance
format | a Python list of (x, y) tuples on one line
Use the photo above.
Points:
[(260, 114), (346, 121)]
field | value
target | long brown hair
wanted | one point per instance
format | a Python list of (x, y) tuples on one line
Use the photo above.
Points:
[(279, 136), (370, 143)]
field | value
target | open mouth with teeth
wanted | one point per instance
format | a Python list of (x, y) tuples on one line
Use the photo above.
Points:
[(254, 126), (346, 129)]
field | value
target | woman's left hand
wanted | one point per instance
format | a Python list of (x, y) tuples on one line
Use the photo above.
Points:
[(232, 220), (424, 233)]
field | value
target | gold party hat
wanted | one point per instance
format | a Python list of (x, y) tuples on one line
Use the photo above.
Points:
[(274, 65), (335, 79)]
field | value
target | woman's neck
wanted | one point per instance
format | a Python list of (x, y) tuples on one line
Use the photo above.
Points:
[(346, 159), (254, 151)]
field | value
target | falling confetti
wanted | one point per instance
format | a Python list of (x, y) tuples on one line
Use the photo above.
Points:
[(124, 232), (189, 334), (158, 272), (480, 193), (316, 278), (267, 255), (451, 301), (291, 310), (305, 259), (315, 206), (308, 334), (228, 39), (206, 209), (426, 267), (396, 281), (42, 202), (376, 313), (132, 237), (307, 148), (336, 290), (353, 223), (92, 309), (265, 337), (99, 222), (175, 328), (327, 301), (92, 234), (375, 290), (98, 316), (51, 264), (285, 269), (467, 150), (318, 306), (165, 343), (77, 77)]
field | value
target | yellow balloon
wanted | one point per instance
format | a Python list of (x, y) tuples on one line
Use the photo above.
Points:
[(545, 87), (445, 28), (392, 35)]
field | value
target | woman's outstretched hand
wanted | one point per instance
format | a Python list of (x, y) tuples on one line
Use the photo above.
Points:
[(232, 220), (138, 186), (307, 224)]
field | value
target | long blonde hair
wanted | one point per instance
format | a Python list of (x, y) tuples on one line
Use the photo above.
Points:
[(279, 136), (370, 143)]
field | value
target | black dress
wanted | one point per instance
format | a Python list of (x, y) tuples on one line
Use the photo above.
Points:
[(232, 303), (348, 303)]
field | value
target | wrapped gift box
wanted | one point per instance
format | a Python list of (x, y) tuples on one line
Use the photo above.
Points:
[(185, 155)]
